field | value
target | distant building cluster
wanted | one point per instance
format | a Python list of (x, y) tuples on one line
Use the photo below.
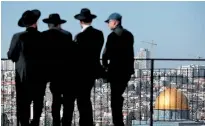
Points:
[(189, 81), (7, 65), (192, 70)]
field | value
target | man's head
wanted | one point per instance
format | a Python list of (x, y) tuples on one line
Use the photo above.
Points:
[(85, 22), (50, 26), (85, 17), (114, 20), (29, 18), (54, 21), (33, 25)]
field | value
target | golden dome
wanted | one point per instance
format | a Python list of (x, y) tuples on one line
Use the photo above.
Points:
[(171, 99)]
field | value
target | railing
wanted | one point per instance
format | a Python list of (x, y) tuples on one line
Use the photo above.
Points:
[(181, 94)]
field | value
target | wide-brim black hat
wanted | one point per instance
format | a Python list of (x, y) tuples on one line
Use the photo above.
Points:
[(85, 14), (29, 17), (54, 19)]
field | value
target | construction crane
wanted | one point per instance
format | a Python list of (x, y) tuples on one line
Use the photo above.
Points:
[(198, 57), (152, 44)]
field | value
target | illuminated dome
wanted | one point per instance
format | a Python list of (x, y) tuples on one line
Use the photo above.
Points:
[(171, 99)]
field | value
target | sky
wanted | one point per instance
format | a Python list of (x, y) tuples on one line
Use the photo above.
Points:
[(178, 28)]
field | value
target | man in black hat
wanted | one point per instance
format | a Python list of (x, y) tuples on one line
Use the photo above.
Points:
[(26, 52), (60, 53), (119, 51), (89, 44)]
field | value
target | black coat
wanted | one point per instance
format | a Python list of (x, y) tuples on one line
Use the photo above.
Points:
[(25, 51), (59, 54), (89, 44), (119, 51)]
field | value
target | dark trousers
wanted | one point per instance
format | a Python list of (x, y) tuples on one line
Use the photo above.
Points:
[(118, 86), (26, 92), (56, 90), (68, 105), (82, 92)]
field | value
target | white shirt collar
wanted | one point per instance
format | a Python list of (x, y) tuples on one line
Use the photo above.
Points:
[(85, 27)]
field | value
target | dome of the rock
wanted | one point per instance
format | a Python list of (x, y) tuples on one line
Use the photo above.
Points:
[(171, 99)]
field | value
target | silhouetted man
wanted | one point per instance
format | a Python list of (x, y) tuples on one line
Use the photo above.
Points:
[(89, 44), (119, 51), (59, 55), (26, 52)]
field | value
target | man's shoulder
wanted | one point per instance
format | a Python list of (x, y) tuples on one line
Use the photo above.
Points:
[(127, 32), (45, 32), (65, 32), (96, 30), (112, 34), (91, 31), (18, 34), (51, 31)]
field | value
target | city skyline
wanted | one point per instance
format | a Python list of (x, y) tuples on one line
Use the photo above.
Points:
[(137, 96), (178, 28)]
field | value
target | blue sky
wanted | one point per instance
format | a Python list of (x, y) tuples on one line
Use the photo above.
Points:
[(177, 27)]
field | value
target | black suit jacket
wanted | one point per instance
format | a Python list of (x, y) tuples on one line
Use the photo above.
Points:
[(89, 44), (59, 53), (25, 51), (119, 51)]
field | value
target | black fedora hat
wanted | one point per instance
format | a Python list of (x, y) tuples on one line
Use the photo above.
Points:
[(29, 17), (85, 14), (54, 19)]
